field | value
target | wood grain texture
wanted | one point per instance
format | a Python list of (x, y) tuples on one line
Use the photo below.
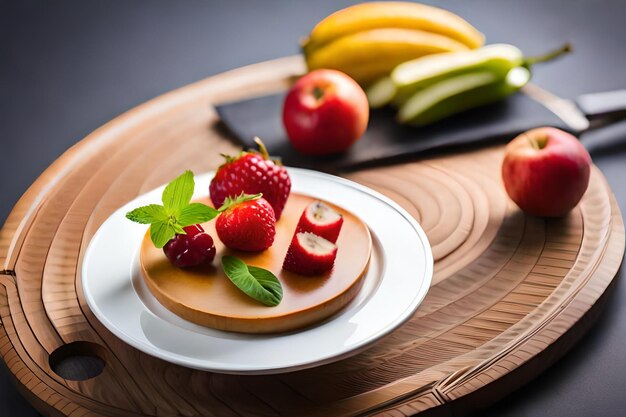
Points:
[(508, 289)]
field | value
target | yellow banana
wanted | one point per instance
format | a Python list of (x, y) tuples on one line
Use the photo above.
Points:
[(371, 54), (403, 15), (368, 73)]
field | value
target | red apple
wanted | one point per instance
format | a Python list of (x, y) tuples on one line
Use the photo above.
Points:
[(325, 112), (546, 171)]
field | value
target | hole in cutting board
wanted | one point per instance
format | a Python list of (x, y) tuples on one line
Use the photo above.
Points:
[(78, 361)]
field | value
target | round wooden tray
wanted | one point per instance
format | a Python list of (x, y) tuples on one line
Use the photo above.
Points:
[(510, 294)]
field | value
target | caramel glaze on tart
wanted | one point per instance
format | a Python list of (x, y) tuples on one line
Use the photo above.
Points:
[(205, 296)]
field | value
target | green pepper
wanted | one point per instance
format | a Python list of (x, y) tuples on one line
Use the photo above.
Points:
[(412, 77), (459, 93)]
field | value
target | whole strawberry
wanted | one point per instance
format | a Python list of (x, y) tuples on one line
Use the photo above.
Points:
[(246, 223), (252, 173)]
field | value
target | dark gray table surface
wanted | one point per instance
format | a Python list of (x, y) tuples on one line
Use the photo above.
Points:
[(67, 67)]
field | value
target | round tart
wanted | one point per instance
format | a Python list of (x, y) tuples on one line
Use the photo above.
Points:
[(205, 296)]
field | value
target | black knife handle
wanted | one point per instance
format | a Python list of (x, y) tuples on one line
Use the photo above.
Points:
[(610, 104)]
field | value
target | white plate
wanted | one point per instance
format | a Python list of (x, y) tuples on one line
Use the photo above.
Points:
[(397, 280)]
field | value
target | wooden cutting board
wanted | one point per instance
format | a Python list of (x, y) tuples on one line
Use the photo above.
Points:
[(510, 295)]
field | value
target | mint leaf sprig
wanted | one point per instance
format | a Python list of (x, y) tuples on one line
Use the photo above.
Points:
[(177, 211)]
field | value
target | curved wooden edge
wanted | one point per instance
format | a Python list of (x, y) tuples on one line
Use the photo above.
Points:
[(481, 367), (16, 226), (522, 375), (466, 398), (430, 403), (25, 212), (25, 368), (439, 390)]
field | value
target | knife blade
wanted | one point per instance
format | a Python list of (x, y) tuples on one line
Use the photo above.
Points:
[(588, 111)]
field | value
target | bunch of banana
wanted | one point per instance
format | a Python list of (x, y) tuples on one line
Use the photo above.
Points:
[(368, 40), (431, 88)]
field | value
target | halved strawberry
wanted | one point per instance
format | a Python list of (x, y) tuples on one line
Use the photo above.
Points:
[(246, 223), (319, 219), (252, 173), (309, 254)]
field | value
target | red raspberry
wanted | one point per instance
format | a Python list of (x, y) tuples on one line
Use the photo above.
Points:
[(194, 248)]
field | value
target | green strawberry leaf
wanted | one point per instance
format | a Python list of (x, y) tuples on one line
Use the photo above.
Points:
[(257, 283), (178, 193), (148, 214), (241, 198), (161, 233), (196, 213)]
